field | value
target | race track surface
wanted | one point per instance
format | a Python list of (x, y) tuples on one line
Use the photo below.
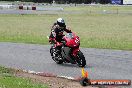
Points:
[(101, 63), (39, 12)]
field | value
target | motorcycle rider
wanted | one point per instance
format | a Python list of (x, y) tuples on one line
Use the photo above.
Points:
[(56, 34)]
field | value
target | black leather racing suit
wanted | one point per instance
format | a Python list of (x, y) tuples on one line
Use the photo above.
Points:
[(56, 36), (57, 33)]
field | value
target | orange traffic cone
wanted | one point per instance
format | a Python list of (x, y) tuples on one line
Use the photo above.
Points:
[(85, 81), (84, 73)]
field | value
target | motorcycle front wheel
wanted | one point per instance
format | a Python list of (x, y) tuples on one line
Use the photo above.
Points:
[(81, 59), (55, 57)]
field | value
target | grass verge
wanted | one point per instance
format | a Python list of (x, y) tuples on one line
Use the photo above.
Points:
[(111, 31), (7, 80)]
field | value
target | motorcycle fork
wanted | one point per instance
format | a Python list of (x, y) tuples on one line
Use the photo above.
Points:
[(75, 51)]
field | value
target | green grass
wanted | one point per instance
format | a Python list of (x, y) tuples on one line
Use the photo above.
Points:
[(111, 31), (14, 82), (100, 9), (104, 31), (97, 8), (4, 70), (7, 80)]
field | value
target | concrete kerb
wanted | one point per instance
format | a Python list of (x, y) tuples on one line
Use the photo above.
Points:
[(75, 79), (46, 74)]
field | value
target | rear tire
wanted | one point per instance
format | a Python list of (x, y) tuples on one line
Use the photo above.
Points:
[(81, 59)]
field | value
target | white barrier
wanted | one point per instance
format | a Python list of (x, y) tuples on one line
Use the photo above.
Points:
[(32, 7), (27, 7), (40, 8), (49, 8), (6, 6)]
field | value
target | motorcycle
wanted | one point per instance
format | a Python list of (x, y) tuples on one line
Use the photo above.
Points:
[(70, 52)]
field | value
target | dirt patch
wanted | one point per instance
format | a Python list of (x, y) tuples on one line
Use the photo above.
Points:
[(53, 81)]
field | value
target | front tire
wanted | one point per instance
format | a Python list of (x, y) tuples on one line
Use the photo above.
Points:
[(55, 56), (81, 59)]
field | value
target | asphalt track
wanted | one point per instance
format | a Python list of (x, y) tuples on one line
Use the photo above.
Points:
[(101, 63), (12, 11), (39, 12)]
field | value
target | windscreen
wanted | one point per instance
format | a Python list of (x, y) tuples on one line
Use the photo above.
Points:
[(69, 35)]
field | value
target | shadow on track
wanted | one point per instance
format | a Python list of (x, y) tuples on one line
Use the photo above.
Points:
[(74, 65)]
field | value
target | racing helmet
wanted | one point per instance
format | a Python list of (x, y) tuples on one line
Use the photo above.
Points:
[(61, 22)]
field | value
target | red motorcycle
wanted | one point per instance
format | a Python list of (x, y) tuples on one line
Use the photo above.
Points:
[(70, 52)]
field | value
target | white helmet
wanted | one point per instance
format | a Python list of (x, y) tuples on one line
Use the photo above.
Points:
[(61, 22)]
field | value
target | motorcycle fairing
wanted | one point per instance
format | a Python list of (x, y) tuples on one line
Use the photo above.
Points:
[(71, 40), (66, 54)]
